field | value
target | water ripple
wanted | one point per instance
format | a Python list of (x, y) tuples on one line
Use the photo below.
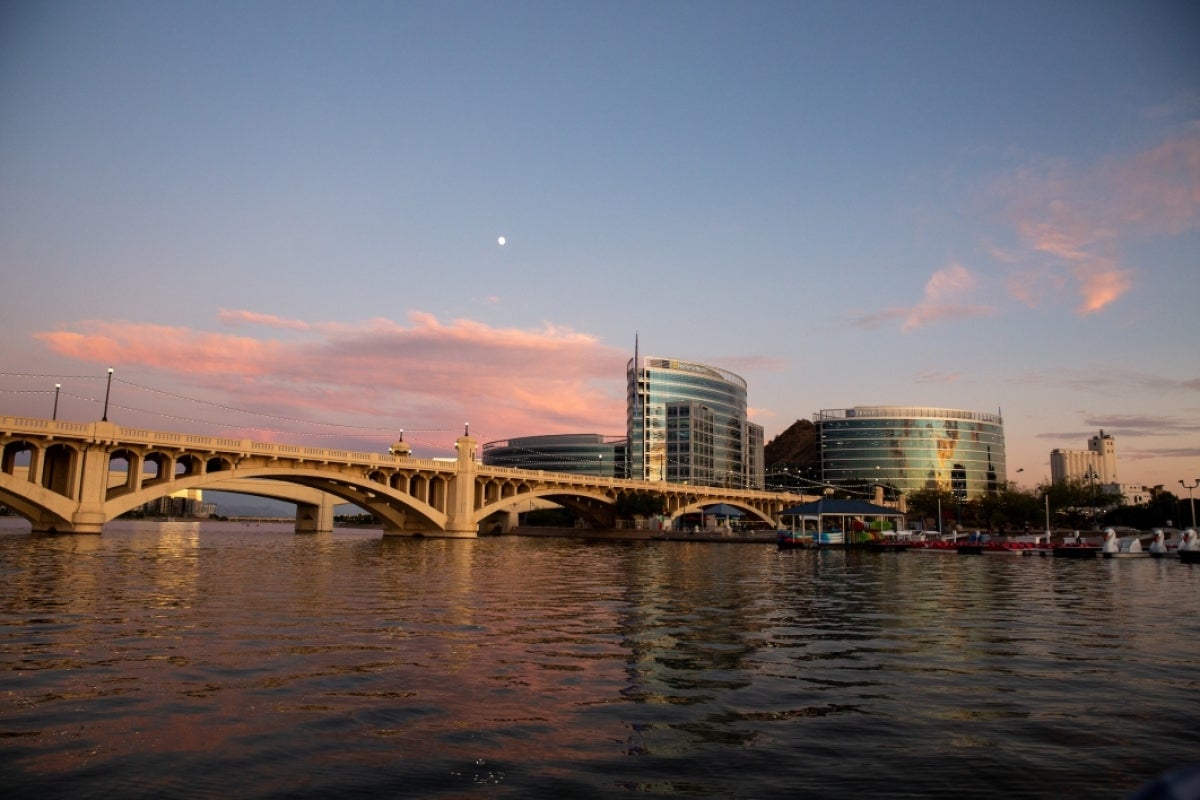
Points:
[(158, 660)]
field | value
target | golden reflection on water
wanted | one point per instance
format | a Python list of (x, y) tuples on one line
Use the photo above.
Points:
[(157, 657)]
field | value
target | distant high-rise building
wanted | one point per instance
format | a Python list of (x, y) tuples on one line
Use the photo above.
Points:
[(1098, 463), (687, 423)]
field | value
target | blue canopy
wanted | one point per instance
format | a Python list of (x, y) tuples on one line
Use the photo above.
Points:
[(724, 510), (849, 508)]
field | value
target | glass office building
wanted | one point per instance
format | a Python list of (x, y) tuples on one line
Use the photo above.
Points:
[(686, 423), (580, 453), (907, 448)]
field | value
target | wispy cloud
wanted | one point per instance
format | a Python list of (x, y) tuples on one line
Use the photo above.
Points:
[(423, 374), (1070, 221), (938, 376), (938, 304), (1106, 380), (1143, 430)]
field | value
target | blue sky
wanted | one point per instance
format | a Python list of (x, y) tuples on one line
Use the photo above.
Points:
[(281, 219)]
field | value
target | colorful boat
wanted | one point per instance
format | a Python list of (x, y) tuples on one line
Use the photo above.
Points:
[(1080, 548), (793, 540)]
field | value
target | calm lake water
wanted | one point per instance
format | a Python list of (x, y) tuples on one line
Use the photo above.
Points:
[(238, 660)]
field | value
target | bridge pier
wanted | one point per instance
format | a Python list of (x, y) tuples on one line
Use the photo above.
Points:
[(315, 518), (89, 515), (460, 506)]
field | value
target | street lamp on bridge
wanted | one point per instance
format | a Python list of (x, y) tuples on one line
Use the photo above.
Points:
[(107, 391), (57, 387)]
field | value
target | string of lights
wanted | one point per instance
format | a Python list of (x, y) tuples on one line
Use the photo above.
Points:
[(527, 457), (327, 429), (311, 429)]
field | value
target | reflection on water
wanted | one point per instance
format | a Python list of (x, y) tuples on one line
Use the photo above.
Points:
[(189, 660)]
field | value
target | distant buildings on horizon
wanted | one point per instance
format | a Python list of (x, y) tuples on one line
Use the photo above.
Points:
[(686, 422), (910, 448), (1096, 465)]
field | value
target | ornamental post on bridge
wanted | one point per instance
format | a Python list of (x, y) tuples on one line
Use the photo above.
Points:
[(460, 505)]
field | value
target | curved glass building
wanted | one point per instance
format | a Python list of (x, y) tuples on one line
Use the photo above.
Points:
[(687, 423), (580, 453), (910, 448)]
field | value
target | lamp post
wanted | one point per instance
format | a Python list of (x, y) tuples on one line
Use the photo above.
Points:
[(57, 387), (1093, 476), (107, 391), (1192, 502), (1047, 514)]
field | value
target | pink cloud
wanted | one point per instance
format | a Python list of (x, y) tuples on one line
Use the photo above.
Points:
[(937, 303), (1100, 286), (379, 375), (1070, 221), (235, 317), (948, 282), (937, 376), (1160, 188)]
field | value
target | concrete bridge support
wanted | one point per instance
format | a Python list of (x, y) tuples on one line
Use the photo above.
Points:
[(460, 510), (315, 518), (93, 484)]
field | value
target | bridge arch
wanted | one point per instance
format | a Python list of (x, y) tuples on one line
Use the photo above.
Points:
[(395, 509), (594, 505), (45, 509), (698, 506)]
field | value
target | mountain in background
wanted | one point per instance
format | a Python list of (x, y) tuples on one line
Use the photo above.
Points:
[(794, 450)]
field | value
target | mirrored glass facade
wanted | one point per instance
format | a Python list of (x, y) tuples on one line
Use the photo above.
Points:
[(579, 453), (687, 424), (909, 448)]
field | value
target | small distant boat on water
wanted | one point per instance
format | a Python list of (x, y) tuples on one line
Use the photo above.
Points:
[(995, 548), (1077, 548), (793, 540), (889, 546)]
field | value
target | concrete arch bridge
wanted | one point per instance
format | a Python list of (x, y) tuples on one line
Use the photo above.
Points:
[(74, 477)]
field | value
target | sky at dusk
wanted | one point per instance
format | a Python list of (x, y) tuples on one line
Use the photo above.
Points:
[(281, 220)]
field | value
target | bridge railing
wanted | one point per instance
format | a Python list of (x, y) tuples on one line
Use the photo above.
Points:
[(109, 432), (44, 425), (112, 433)]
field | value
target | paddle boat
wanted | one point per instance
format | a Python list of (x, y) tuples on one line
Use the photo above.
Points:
[(1076, 548), (1189, 548), (1158, 548), (793, 540), (1113, 547)]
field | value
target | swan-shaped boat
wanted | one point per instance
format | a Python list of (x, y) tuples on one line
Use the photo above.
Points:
[(1121, 548), (1189, 547)]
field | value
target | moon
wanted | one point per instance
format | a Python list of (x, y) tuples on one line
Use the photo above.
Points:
[(501, 241)]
